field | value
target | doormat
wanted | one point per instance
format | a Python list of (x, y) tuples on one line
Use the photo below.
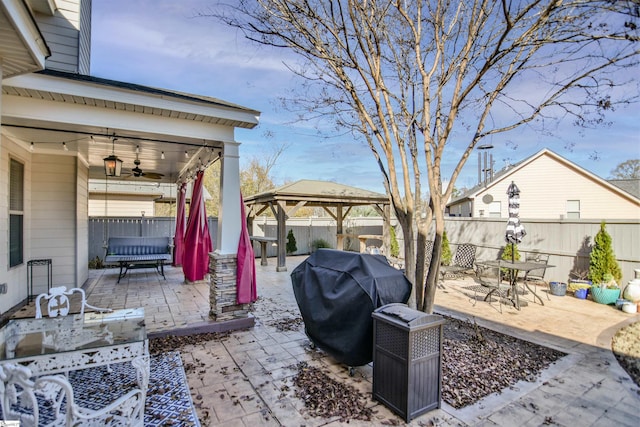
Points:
[(168, 399)]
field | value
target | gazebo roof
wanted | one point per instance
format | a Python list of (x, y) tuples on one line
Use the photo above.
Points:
[(286, 200), (318, 193)]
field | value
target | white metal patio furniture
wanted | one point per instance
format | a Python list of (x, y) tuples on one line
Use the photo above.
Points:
[(49, 401), (23, 344), (59, 303)]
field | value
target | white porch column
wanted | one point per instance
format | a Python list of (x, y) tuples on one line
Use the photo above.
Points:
[(229, 220), (223, 262)]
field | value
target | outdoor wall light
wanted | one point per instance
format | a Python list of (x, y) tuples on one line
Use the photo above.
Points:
[(112, 164)]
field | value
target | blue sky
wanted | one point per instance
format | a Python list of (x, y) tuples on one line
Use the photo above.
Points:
[(160, 43)]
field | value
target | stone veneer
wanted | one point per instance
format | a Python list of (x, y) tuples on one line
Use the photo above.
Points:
[(222, 288)]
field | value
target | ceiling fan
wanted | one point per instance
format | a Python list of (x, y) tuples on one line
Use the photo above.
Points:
[(137, 172)]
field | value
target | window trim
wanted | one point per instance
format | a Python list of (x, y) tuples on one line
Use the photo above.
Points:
[(16, 212), (573, 214)]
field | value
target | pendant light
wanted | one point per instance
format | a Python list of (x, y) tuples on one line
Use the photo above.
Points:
[(112, 164)]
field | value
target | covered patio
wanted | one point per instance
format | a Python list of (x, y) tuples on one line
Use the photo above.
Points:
[(240, 377)]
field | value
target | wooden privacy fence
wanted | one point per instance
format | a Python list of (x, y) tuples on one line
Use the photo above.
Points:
[(568, 242)]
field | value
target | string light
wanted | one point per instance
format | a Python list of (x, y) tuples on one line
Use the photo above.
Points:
[(64, 146), (162, 155), (32, 147), (137, 149), (186, 154)]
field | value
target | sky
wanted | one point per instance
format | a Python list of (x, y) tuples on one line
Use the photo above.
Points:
[(163, 44)]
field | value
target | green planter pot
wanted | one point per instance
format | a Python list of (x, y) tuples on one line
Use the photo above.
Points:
[(604, 295)]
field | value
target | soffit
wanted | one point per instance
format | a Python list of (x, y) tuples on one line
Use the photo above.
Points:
[(22, 47)]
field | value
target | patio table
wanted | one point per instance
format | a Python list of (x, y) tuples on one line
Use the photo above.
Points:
[(514, 267), (53, 345), (263, 246)]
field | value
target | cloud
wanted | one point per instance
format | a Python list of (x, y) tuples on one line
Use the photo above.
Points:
[(162, 43)]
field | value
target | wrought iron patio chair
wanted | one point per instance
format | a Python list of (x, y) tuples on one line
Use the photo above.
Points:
[(49, 401), (59, 303), (127, 410), (17, 386), (537, 276), (463, 262), (490, 285)]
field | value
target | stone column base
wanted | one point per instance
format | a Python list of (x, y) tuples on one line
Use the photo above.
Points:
[(222, 288)]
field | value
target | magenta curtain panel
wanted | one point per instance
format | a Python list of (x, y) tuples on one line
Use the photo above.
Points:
[(178, 238), (197, 240), (246, 290)]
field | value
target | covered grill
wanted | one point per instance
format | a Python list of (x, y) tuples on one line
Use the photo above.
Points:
[(337, 292)]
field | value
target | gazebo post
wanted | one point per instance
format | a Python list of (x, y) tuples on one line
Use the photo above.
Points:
[(282, 233), (339, 233)]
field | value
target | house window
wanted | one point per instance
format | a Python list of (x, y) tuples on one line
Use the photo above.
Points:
[(16, 212), (573, 209), (495, 209)]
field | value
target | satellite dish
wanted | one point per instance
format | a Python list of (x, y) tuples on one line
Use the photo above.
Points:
[(487, 198)]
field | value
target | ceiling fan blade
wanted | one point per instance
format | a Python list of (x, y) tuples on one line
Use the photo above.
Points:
[(152, 175)]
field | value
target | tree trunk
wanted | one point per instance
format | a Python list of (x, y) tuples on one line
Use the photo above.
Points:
[(434, 267), (409, 256)]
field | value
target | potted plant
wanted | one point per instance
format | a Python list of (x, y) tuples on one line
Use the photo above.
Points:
[(607, 292), (558, 289), (579, 284), (604, 270)]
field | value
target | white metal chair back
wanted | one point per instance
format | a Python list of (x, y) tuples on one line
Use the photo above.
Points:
[(59, 304)]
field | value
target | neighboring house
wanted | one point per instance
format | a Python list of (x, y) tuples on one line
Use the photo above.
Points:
[(57, 126), (132, 198), (631, 186), (551, 187)]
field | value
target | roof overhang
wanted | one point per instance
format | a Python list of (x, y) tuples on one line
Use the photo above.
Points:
[(96, 117), (22, 46)]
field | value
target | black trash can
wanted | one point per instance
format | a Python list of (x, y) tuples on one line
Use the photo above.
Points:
[(407, 359)]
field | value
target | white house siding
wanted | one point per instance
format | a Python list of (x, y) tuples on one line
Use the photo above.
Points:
[(84, 51), (54, 215), (121, 207), (82, 223), (545, 186), (16, 277), (61, 32)]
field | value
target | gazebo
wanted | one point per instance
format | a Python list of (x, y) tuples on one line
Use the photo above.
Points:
[(336, 199)]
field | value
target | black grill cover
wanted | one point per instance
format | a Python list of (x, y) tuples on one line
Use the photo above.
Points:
[(337, 292)]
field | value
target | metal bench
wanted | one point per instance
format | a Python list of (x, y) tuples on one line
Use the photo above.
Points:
[(138, 252)]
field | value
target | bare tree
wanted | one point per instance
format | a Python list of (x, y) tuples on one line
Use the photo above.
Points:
[(423, 80), (256, 176), (629, 169)]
